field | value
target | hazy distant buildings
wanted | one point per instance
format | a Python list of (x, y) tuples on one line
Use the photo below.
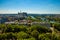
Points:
[(12, 17)]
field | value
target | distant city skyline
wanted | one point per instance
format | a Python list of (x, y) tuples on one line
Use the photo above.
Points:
[(30, 6)]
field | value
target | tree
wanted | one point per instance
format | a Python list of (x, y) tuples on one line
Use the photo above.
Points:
[(44, 37), (57, 26), (39, 28), (35, 34), (11, 35), (22, 35)]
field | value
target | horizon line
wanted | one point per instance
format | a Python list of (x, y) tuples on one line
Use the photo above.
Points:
[(31, 13)]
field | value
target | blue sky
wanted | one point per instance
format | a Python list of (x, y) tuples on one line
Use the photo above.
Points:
[(30, 6)]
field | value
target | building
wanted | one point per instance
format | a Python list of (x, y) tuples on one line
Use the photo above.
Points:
[(5, 17), (22, 15)]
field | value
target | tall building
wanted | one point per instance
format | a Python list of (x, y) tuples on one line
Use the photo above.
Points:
[(22, 15)]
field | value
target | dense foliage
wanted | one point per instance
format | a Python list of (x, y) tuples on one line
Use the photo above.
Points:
[(57, 26), (24, 32)]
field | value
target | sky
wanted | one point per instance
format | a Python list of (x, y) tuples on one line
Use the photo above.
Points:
[(30, 6)]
